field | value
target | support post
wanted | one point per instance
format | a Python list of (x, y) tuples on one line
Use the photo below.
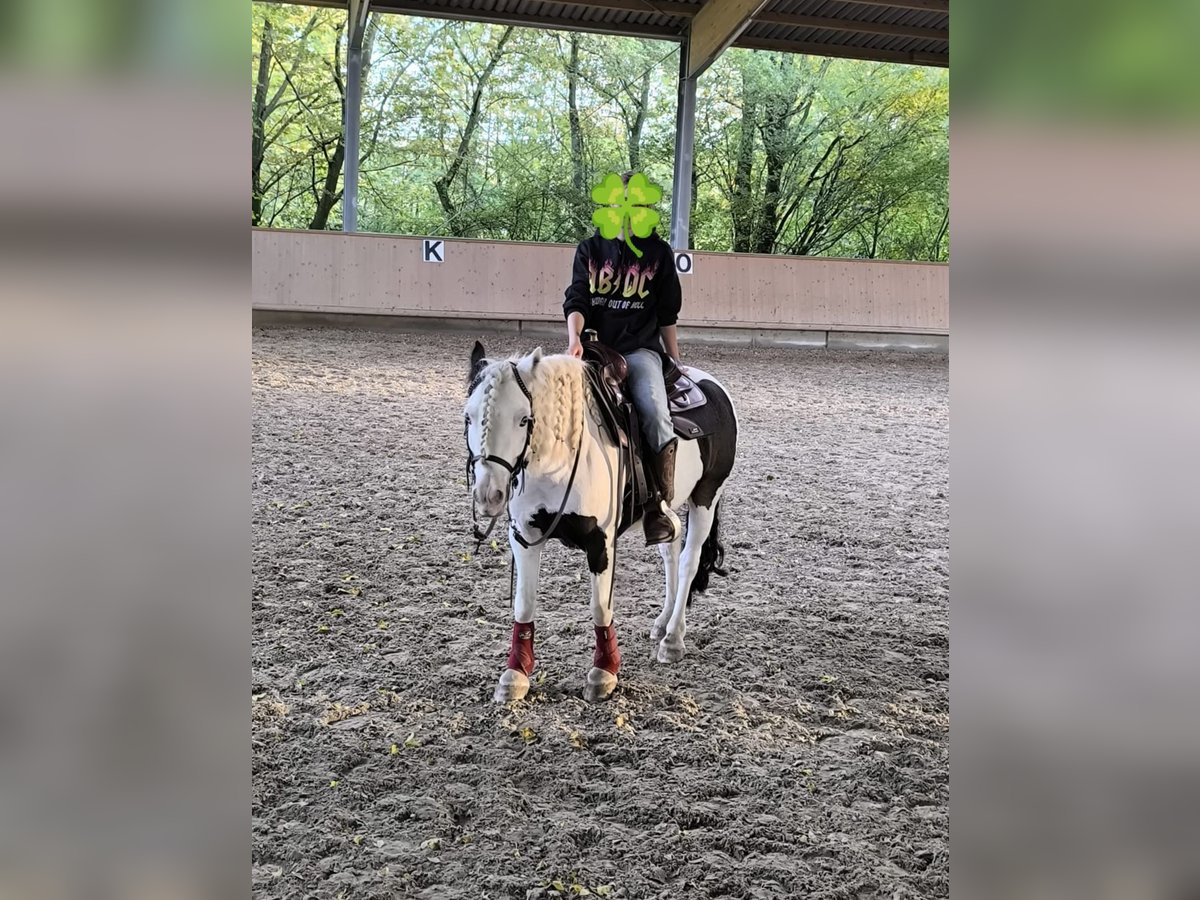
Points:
[(353, 111), (358, 10), (685, 135)]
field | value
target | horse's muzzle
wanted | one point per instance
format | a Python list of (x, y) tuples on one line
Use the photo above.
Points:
[(489, 499)]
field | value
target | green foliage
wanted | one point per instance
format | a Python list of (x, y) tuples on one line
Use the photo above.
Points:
[(819, 156), (1099, 60), (793, 154)]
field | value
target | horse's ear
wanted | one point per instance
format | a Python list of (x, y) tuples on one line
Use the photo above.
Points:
[(477, 363), (535, 357)]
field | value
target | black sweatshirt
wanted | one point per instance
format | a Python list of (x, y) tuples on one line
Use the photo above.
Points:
[(626, 299)]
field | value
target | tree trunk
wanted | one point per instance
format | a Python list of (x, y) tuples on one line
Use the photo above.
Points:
[(579, 195), (741, 203), (442, 185), (776, 113), (330, 195), (935, 250), (784, 137), (768, 217), (258, 141), (827, 202), (877, 226), (639, 120), (264, 107)]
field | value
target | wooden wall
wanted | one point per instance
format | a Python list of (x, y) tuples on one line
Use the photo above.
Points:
[(332, 272)]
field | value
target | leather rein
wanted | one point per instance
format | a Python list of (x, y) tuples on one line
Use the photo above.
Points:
[(515, 469)]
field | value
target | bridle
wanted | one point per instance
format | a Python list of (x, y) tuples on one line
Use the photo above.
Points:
[(515, 470)]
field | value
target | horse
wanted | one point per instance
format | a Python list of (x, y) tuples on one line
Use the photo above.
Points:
[(537, 447)]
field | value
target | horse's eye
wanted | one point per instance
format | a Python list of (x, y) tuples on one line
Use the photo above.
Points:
[(524, 421)]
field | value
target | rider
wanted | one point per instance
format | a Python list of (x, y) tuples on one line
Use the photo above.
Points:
[(633, 304)]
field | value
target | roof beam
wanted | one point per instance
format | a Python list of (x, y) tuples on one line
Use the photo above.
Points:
[(853, 25), (633, 29), (685, 10), (688, 10), (942, 6), (677, 8), (846, 51), (415, 8), (715, 27)]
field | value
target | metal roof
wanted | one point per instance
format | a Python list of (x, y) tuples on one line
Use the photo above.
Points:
[(905, 31)]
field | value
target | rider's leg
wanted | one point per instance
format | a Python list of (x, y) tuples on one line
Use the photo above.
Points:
[(648, 392)]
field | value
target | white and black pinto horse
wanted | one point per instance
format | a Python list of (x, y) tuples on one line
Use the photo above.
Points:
[(536, 445)]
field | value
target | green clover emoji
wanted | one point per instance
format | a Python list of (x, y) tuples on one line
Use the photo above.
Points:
[(622, 209)]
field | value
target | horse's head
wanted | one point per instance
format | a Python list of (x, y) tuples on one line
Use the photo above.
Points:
[(499, 425)]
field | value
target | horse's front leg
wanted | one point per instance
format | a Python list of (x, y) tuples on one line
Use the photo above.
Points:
[(606, 659), (514, 683)]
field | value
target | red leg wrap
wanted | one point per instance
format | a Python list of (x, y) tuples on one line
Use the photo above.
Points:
[(520, 657), (608, 654)]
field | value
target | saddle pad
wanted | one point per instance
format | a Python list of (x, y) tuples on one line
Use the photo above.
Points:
[(686, 395), (697, 421)]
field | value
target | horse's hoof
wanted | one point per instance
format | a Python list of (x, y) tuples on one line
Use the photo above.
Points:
[(513, 685), (670, 653), (657, 632), (600, 685)]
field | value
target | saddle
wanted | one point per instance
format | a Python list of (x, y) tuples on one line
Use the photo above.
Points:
[(608, 371), (683, 394)]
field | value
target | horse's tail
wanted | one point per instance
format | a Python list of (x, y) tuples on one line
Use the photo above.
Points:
[(712, 557)]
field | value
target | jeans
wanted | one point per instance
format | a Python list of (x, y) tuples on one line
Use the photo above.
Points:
[(648, 391)]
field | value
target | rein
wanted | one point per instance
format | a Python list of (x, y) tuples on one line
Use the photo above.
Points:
[(549, 532), (516, 469)]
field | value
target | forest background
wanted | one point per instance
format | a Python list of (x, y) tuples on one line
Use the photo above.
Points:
[(487, 131)]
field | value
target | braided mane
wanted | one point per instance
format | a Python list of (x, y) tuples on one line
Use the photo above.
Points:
[(560, 402), (560, 406)]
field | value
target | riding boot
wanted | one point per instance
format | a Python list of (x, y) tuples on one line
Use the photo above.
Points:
[(660, 523), (664, 470)]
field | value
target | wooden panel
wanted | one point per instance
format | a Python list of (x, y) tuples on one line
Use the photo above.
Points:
[(322, 271), (715, 27)]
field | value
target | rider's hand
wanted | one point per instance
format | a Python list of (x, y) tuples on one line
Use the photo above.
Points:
[(575, 348)]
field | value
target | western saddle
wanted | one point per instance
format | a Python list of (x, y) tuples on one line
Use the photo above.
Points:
[(608, 372)]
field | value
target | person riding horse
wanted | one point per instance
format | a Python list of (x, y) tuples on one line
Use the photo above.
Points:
[(633, 304)]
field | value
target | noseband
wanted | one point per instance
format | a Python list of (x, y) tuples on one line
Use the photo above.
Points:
[(515, 469)]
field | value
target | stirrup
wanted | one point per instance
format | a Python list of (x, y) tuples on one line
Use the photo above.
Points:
[(664, 512)]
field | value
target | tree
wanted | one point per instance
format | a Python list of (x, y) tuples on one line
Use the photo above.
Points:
[(484, 131), (329, 194), (291, 109), (456, 224), (579, 187), (806, 153), (266, 103)]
